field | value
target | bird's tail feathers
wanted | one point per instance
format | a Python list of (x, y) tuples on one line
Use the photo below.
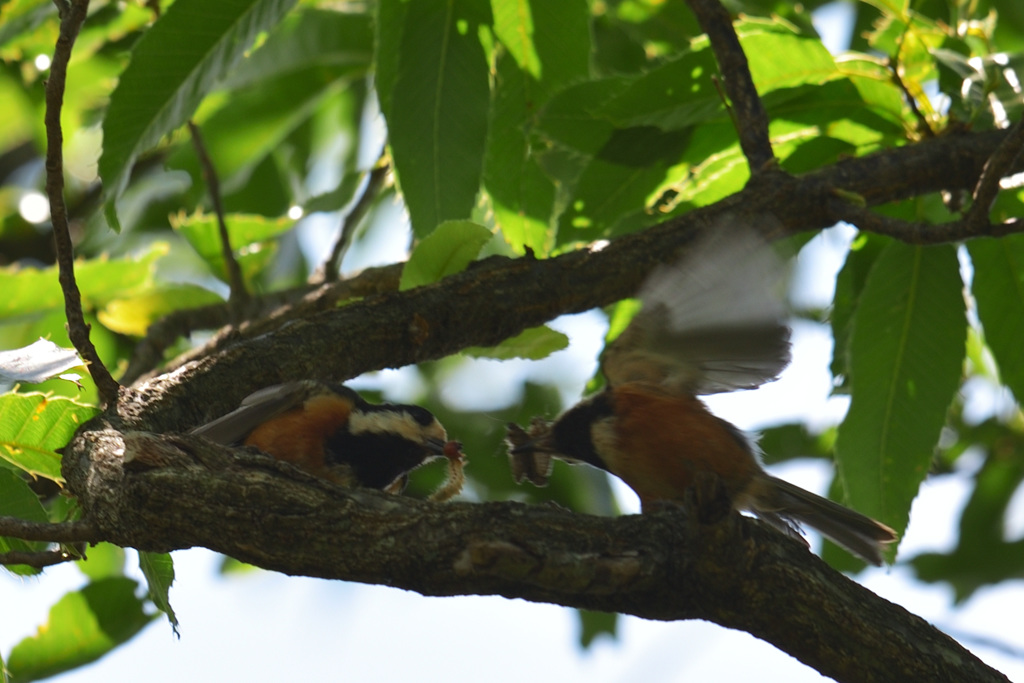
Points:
[(857, 533)]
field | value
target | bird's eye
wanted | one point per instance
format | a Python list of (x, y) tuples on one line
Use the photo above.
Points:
[(421, 415)]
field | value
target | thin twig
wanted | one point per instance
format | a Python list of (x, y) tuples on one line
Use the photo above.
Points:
[(39, 560), (328, 271), (919, 233), (72, 17), (997, 166), (81, 531), (751, 117), (894, 67), (239, 295)]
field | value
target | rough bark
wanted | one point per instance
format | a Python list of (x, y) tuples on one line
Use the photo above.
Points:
[(162, 493)]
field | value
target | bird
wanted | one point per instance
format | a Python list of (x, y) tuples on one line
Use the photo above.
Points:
[(713, 321), (329, 430)]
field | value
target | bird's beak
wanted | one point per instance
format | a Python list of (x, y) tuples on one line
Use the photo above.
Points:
[(434, 446), (449, 449)]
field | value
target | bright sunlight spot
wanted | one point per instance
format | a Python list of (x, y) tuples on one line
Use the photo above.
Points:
[(34, 208), (42, 62), (295, 212)]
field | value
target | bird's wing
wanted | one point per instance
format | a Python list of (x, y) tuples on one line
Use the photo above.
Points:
[(715, 321), (257, 408)]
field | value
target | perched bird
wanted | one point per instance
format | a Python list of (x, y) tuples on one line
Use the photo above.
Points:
[(713, 322), (331, 431)]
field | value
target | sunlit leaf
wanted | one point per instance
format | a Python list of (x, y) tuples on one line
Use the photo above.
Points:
[(37, 362), (175, 64), (547, 46), (82, 627), (34, 426), (449, 249), (103, 560), (438, 114), (534, 344), (251, 237), (134, 315), (35, 290), (158, 568)]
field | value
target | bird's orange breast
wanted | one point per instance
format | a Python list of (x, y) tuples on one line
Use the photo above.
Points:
[(662, 440), (298, 435)]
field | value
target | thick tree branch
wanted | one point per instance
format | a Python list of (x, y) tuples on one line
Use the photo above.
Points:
[(805, 203), (497, 298), (72, 17), (163, 493)]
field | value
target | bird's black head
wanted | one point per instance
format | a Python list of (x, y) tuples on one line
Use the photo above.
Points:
[(383, 442)]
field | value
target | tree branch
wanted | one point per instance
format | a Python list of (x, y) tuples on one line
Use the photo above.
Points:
[(72, 17), (805, 203), (751, 117), (375, 181), (81, 531), (239, 294), (997, 166), (921, 233), (498, 298), (162, 493), (38, 560)]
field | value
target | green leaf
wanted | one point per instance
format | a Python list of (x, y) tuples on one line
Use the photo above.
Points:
[(438, 115), (547, 46), (849, 285), (36, 290), (389, 20), (678, 94), (998, 289), (595, 624), (256, 121), (175, 64), (36, 362), (252, 238), (20, 501), (158, 568), (103, 560), (338, 198), (906, 354), (533, 344), (34, 426), (134, 315), (807, 61), (231, 566), (305, 38), (449, 249), (17, 499), (571, 117), (788, 441), (82, 627), (549, 41)]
